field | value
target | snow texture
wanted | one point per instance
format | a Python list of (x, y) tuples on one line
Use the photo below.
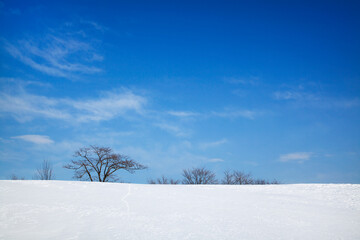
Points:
[(85, 210)]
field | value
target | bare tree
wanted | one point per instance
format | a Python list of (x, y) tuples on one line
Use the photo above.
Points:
[(45, 172), (199, 176), (228, 178), (237, 177), (100, 164), (242, 178), (163, 180)]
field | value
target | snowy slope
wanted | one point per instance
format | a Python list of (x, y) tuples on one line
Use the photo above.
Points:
[(84, 210)]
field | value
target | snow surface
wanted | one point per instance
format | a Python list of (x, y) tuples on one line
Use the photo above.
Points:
[(85, 210)]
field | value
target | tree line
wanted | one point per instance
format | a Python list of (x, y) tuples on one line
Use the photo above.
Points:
[(101, 164), (206, 176)]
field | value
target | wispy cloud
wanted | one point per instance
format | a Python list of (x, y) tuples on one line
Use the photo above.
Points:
[(182, 113), (214, 160), (242, 80), (206, 145), (346, 103), (16, 53), (96, 25), (173, 129), (249, 114), (304, 98), (111, 105), (294, 95), (24, 106), (227, 113), (251, 163), (299, 157), (56, 54), (37, 139)]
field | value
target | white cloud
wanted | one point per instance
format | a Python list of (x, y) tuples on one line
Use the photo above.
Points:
[(251, 163), (96, 26), (249, 114), (207, 145), (16, 53), (37, 139), (299, 157), (173, 129), (308, 99), (24, 106), (56, 55), (241, 80), (298, 95), (108, 107), (288, 95), (182, 113), (346, 103), (162, 155), (216, 160)]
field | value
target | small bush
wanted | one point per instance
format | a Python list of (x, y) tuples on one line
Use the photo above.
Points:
[(241, 178), (163, 180)]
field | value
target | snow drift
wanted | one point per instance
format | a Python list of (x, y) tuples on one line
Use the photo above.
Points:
[(85, 210)]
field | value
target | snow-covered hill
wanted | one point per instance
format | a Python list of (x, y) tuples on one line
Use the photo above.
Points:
[(84, 210)]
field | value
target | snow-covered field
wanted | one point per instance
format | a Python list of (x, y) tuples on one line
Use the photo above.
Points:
[(84, 210)]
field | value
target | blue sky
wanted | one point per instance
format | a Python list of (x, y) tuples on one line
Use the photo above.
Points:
[(267, 87)]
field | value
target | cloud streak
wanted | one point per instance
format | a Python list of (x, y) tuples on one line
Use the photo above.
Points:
[(182, 114), (215, 160), (303, 98), (56, 55), (243, 81), (299, 157), (207, 145), (173, 129), (24, 106), (249, 114), (36, 139), (111, 105)]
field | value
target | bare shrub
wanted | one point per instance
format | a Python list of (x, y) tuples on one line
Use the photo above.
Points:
[(275, 182), (163, 180), (172, 181), (261, 182), (241, 178), (45, 172), (15, 177), (151, 181)]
